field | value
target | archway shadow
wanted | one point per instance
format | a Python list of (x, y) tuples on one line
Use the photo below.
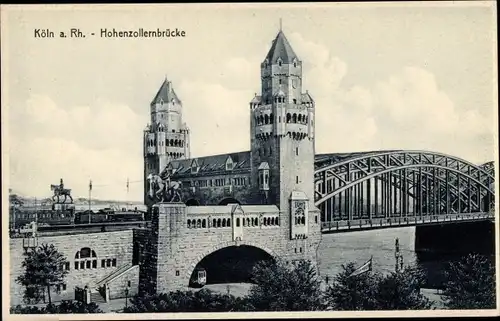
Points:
[(233, 264)]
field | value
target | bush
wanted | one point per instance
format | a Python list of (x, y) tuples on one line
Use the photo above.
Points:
[(401, 291), (187, 301), (352, 293), (63, 307), (282, 287), (470, 283)]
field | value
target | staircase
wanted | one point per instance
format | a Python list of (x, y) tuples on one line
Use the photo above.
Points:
[(110, 277), (96, 297)]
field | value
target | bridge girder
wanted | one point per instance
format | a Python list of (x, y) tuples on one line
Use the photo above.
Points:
[(459, 176)]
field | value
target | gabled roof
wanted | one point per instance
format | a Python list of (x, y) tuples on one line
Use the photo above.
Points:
[(211, 164), (306, 98), (256, 99), (281, 49), (166, 93)]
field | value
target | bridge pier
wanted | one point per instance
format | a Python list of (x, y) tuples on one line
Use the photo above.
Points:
[(461, 238), (438, 245)]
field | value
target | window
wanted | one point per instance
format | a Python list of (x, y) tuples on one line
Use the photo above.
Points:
[(296, 179), (177, 273), (103, 263), (279, 63), (67, 265), (85, 258), (316, 219), (280, 81), (295, 101), (296, 151), (238, 222)]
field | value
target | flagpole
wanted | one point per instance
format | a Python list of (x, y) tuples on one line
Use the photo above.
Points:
[(396, 254), (127, 191), (90, 198), (36, 213)]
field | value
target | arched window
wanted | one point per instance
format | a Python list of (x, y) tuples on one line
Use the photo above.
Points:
[(223, 222), (294, 118), (248, 221), (279, 63), (214, 222), (266, 119), (204, 223), (288, 118), (294, 65), (244, 222), (167, 143), (228, 222), (198, 223), (85, 259), (171, 142), (237, 222), (189, 223), (300, 118), (219, 222), (271, 119)]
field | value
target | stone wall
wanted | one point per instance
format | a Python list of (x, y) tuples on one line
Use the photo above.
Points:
[(107, 245), (129, 279)]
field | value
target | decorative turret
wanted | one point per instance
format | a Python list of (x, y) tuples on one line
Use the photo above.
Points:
[(167, 137)]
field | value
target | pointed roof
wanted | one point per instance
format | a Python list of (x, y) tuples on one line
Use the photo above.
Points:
[(166, 93), (281, 49)]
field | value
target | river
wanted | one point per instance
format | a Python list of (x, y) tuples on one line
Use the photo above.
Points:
[(358, 247)]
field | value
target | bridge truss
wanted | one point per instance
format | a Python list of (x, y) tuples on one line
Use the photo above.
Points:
[(377, 189)]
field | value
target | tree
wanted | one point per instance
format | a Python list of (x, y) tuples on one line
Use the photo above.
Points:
[(351, 293), (187, 301), (401, 291), (470, 283), (63, 307), (281, 287), (43, 268)]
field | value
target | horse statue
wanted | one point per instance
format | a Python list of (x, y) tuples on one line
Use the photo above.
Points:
[(59, 191), (164, 190)]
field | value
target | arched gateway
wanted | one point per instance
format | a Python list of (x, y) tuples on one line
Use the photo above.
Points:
[(228, 263), (227, 253)]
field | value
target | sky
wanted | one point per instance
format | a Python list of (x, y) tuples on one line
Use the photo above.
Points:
[(384, 76)]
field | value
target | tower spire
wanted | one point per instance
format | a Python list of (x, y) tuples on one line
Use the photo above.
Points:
[(281, 26)]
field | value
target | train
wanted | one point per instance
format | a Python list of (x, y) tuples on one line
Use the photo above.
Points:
[(20, 216)]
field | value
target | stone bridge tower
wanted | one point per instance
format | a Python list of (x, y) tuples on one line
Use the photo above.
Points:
[(166, 137), (282, 138)]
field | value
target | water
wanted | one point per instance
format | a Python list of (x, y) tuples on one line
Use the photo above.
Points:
[(358, 247)]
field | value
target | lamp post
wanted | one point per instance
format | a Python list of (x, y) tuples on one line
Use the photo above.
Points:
[(126, 297)]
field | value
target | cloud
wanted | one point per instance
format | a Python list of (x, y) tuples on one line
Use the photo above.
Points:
[(102, 142), (102, 139)]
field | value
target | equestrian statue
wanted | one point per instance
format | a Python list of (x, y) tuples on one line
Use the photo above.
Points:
[(164, 189), (59, 191)]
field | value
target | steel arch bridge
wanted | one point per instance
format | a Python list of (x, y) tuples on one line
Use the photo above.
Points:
[(397, 188)]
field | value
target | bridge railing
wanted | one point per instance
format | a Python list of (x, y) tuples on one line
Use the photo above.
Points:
[(363, 224)]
